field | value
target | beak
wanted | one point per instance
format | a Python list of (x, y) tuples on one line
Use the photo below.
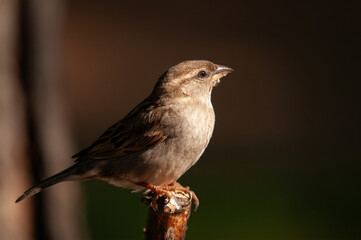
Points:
[(221, 72)]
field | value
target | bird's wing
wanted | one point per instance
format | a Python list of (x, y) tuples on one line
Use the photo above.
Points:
[(138, 131)]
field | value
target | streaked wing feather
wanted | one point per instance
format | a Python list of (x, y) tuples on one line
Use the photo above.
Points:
[(138, 131)]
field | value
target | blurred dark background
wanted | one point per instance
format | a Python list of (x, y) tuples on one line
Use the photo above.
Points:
[(284, 160)]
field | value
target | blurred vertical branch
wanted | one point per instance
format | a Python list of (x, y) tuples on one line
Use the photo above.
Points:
[(43, 22), (35, 139), (15, 221)]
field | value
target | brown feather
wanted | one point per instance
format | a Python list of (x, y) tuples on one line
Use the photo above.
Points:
[(131, 134)]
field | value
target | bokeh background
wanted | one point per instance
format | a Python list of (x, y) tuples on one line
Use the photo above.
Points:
[(284, 160)]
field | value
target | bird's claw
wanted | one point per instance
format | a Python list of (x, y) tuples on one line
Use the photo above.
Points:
[(161, 196)]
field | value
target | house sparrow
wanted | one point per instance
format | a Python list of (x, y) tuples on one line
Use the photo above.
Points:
[(159, 140)]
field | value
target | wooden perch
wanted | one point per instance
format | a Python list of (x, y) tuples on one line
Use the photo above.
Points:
[(167, 217)]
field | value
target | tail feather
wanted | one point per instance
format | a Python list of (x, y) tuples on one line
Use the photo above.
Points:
[(67, 174)]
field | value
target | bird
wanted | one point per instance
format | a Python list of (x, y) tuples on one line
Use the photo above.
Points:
[(158, 141)]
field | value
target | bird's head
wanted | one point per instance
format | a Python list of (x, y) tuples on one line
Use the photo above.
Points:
[(195, 78)]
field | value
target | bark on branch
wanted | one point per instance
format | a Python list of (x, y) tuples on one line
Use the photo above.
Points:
[(168, 217)]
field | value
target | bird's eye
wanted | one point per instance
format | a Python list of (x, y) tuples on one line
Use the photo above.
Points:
[(202, 74)]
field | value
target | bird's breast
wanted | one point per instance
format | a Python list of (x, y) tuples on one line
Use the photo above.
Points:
[(192, 124), (190, 129)]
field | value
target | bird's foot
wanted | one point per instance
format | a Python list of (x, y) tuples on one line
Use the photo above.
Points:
[(164, 194), (178, 187)]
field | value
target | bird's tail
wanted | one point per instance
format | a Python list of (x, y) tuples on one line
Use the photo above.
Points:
[(68, 174)]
